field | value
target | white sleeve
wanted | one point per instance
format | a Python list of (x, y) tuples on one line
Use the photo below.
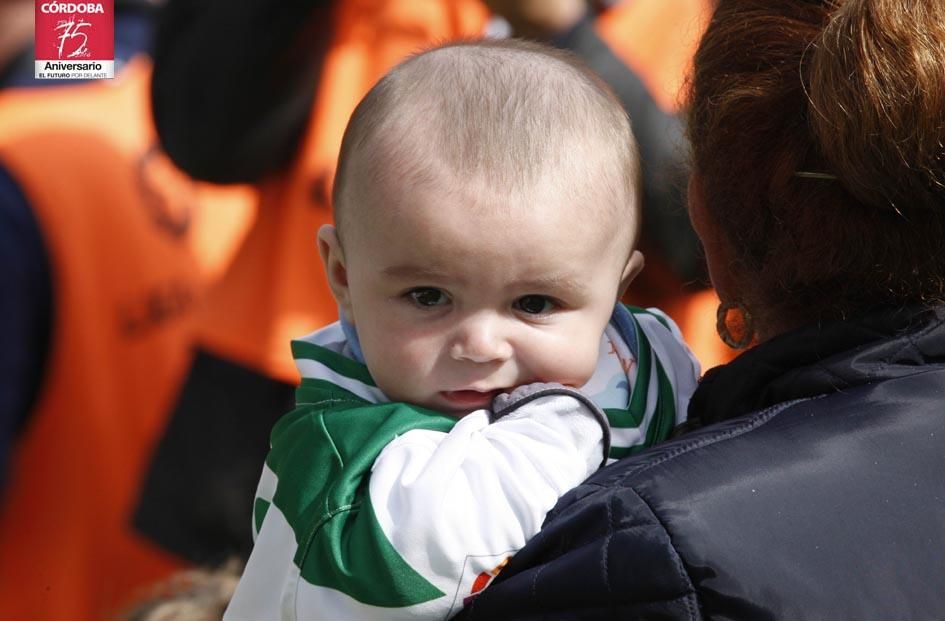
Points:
[(457, 505), (437, 514)]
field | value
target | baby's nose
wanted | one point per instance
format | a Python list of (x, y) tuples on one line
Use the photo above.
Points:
[(480, 340)]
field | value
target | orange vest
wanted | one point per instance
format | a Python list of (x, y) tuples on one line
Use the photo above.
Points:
[(127, 238)]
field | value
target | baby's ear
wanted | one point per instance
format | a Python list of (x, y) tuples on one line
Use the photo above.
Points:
[(630, 271), (333, 258)]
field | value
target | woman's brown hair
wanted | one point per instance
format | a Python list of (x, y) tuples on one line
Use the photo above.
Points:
[(852, 91)]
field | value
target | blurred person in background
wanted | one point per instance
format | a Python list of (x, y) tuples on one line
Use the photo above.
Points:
[(106, 251), (25, 307), (813, 489)]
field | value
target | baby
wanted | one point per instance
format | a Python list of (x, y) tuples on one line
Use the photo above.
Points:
[(486, 217)]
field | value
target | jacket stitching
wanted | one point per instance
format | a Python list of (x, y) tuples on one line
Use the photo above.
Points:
[(534, 590), (605, 557)]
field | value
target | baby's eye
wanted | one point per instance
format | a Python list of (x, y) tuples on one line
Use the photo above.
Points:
[(428, 296), (535, 304)]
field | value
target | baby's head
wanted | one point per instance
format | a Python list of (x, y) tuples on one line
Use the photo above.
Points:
[(487, 209)]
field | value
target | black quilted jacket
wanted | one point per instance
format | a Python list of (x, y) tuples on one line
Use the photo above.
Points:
[(816, 490)]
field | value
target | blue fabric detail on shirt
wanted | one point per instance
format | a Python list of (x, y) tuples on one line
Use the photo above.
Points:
[(626, 325), (354, 343)]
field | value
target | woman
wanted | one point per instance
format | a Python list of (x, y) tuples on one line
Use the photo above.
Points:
[(814, 488)]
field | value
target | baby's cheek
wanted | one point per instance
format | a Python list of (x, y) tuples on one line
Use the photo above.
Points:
[(569, 364), (398, 371), (585, 364)]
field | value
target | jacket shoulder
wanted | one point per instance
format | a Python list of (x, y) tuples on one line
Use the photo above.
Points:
[(762, 516)]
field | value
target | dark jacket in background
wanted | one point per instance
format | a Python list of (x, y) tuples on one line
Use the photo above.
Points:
[(826, 502)]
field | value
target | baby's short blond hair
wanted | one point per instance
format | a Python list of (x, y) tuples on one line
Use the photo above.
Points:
[(509, 115)]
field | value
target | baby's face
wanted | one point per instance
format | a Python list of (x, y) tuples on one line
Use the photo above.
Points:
[(456, 302)]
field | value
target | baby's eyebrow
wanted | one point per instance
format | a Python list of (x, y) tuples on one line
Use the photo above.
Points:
[(537, 284), (415, 272), (553, 282)]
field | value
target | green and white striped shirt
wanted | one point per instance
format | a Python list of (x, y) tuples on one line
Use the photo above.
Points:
[(369, 509)]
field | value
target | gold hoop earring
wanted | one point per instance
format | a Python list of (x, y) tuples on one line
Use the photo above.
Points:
[(735, 325)]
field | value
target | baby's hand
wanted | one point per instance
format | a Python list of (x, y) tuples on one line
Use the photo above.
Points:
[(542, 399)]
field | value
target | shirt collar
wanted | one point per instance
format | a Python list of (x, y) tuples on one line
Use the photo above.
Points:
[(351, 335)]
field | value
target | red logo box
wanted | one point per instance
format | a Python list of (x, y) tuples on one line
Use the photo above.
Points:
[(75, 40)]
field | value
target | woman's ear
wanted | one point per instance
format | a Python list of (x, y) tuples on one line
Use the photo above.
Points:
[(630, 271), (333, 258)]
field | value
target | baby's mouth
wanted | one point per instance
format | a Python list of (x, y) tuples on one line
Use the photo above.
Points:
[(470, 399)]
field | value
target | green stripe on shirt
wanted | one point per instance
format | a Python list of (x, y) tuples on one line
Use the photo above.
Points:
[(338, 363), (324, 497)]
